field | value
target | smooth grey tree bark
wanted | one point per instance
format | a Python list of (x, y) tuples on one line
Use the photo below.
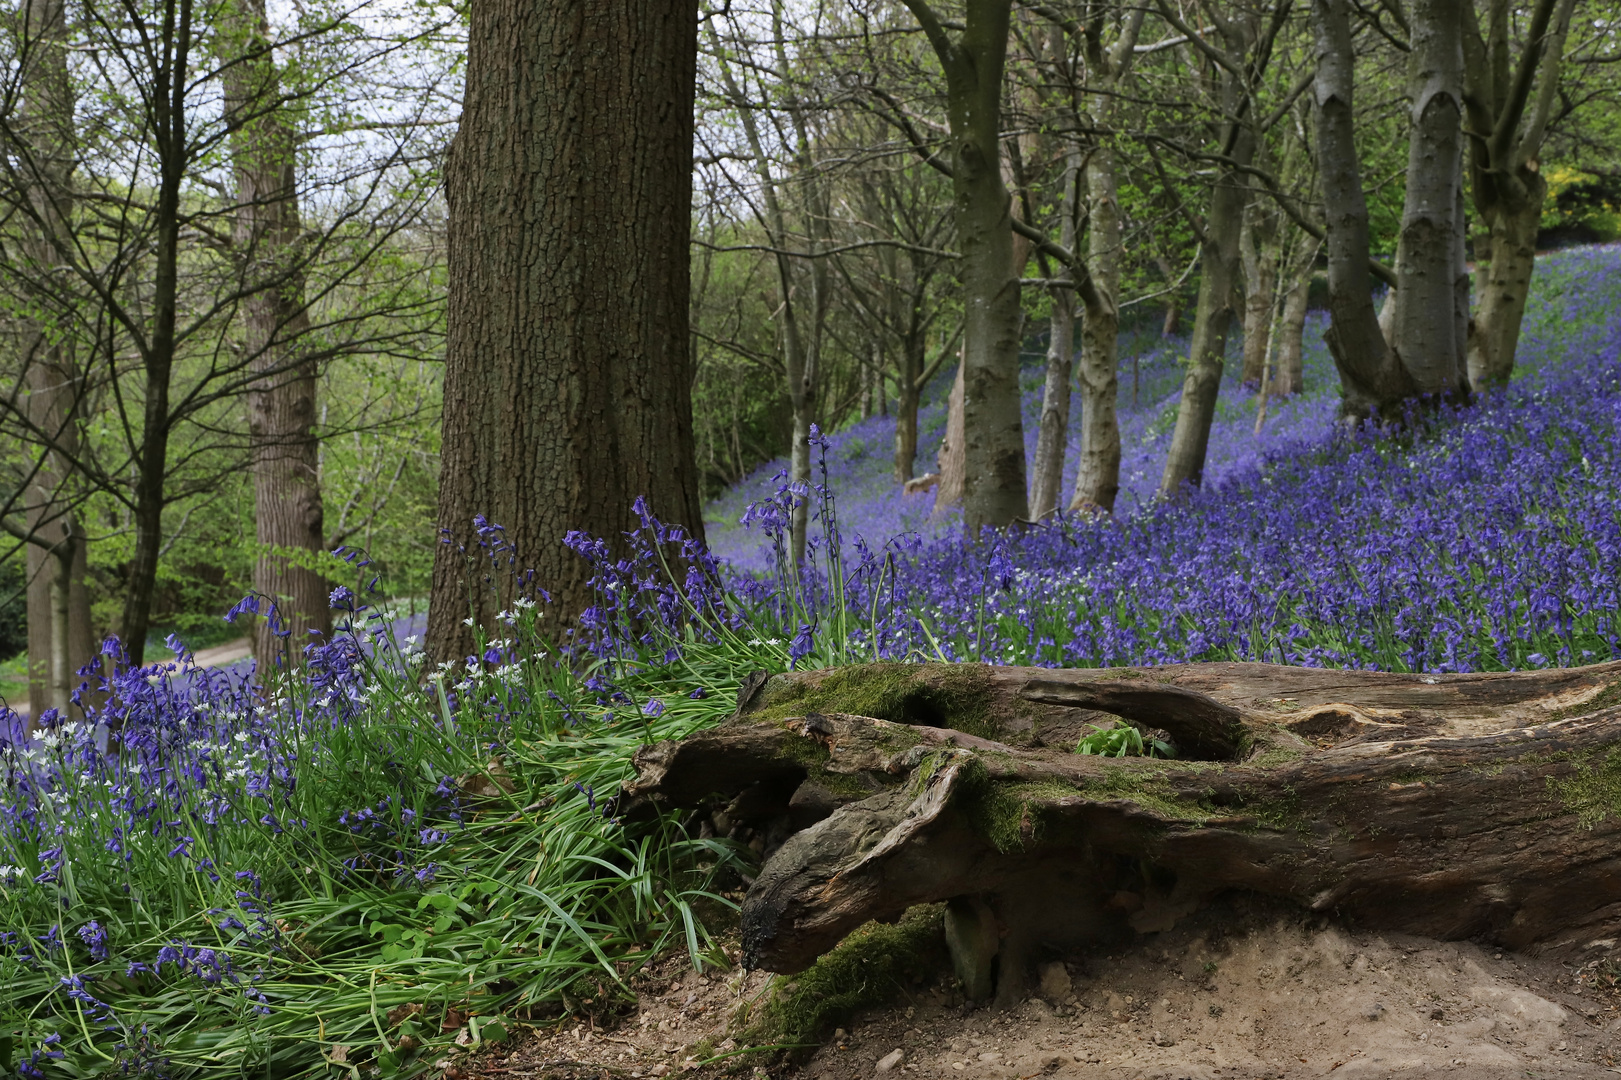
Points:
[(1429, 263), (1370, 373), (1510, 104), (801, 313), (994, 492), (1218, 268), (1097, 475), (1291, 377), (1261, 249)]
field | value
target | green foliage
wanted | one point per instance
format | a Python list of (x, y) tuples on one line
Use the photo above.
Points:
[(1122, 740)]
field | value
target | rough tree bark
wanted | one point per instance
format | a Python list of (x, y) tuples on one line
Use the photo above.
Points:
[(1510, 109), (288, 512), (1452, 806), (993, 492), (58, 602), (567, 366)]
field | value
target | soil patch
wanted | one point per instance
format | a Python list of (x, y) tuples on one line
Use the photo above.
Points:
[(1242, 990)]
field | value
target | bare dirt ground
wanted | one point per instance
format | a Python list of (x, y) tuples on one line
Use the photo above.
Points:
[(1235, 992)]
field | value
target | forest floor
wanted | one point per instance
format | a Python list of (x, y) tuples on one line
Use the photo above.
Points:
[(1239, 991)]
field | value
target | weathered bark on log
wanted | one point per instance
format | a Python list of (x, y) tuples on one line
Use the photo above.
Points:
[(1453, 805)]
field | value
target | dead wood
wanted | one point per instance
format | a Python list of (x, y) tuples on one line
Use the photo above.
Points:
[(1452, 806)]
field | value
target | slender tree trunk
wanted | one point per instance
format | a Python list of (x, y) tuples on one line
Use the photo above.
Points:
[(907, 394), (1291, 378), (993, 490), (281, 403), (1049, 464), (1097, 475), (1370, 374), (1428, 263), (1047, 483), (567, 369), (1512, 109), (1506, 285), (57, 601), (1218, 274), (952, 460), (1261, 247), (170, 121)]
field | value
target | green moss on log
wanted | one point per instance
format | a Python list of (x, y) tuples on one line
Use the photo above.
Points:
[(930, 695)]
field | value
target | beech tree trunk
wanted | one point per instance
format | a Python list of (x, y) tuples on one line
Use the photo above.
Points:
[(993, 487), (1451, 806), (1429, 265), (1500, 310), (567, 367), (1212, 318), (288, 512), (1370, 374), (907, 397), (1514, 105), (952, 461), (1291, 376), (57, 601), (1097, 474), (1260, 247), (1047, 480)]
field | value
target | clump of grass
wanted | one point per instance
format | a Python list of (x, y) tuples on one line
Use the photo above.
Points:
[(870, 968)]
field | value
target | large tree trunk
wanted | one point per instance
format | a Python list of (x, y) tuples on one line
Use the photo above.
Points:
[(1218, 273), (1429, 263), (567, 371), (57, 600), (288, 513), (993, 492), (1452, 806)]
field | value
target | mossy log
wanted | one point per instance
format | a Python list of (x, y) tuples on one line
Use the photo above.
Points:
[(1453, 806)]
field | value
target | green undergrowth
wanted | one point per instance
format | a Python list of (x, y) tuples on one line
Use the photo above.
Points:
[(873, 966)]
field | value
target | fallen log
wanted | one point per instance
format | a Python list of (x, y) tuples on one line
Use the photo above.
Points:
[(1453, 806)]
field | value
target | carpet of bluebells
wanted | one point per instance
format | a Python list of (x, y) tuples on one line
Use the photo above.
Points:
[(1482, 538), (368, 866)]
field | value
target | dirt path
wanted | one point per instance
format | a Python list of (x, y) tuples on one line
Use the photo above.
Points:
[(1234, 993)]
